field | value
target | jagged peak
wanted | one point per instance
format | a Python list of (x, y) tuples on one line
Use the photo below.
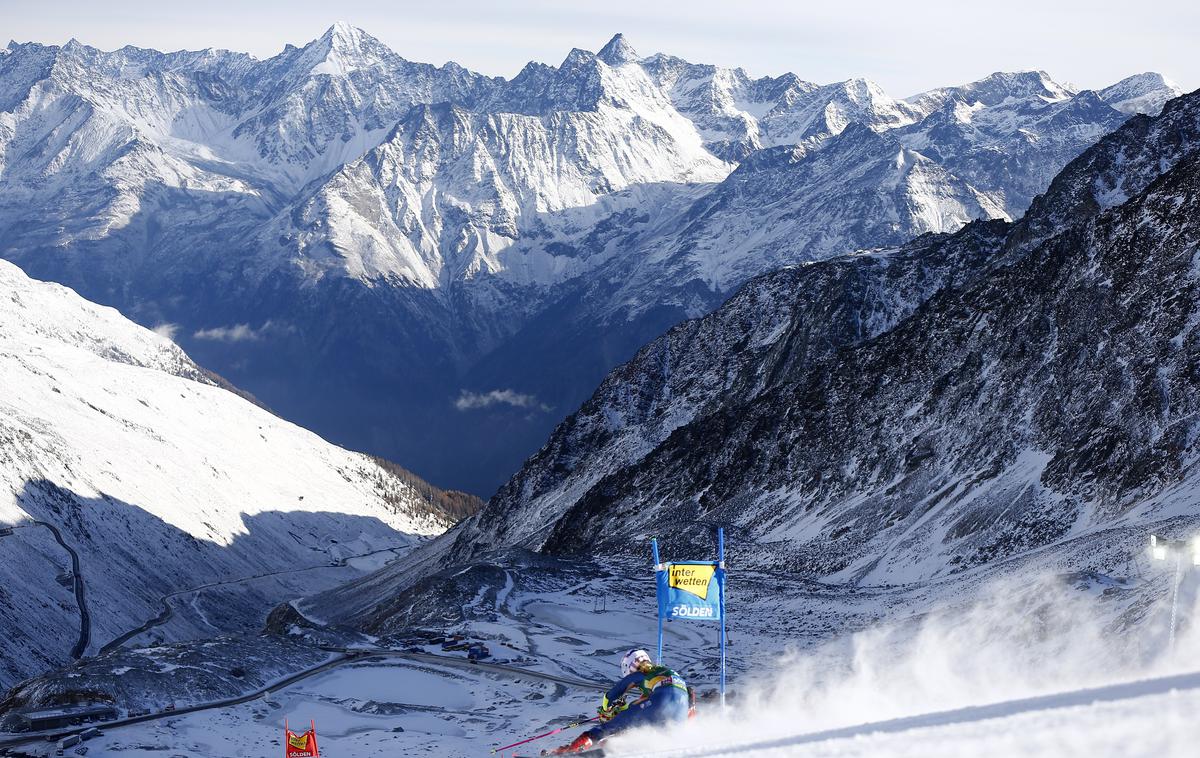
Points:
[(618, 51), (1146, 92), (1145, 82), (24, 47), (347, 39), (1152, 78), (667, 59), (788, 79), (342, 49), (859, 82), (1022, 83), (862, 90), (577, 58), (533, 70), (343, 33), (995, 88)]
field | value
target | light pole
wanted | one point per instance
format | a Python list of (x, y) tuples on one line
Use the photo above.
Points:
[(1162, 549)]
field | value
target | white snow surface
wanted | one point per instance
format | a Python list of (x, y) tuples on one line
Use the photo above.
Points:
[(159, 479)]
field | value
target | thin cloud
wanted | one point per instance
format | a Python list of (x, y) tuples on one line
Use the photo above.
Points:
[(239, 332), (470, 401)]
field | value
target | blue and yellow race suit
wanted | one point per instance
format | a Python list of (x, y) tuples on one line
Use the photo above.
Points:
[(658, 696)]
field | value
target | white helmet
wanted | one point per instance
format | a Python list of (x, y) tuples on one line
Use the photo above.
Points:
[(631, 660)]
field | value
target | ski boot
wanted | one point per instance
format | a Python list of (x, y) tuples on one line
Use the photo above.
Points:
[(581, 743)]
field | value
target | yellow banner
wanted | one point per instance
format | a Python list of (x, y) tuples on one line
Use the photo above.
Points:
[(691, 579)]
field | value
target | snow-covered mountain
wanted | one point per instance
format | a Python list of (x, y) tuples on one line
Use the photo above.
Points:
[(447, 259), (1007, 134), (904, 414), (1140, 93), (125, 464)]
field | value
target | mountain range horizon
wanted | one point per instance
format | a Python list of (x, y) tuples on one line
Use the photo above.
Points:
[(617, 39), (436, 266)]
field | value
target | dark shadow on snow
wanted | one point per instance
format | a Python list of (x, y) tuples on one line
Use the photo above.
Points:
[(130, 558)]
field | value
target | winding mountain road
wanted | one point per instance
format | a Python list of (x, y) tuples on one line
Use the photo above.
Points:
[(168, 611), (85, 618)]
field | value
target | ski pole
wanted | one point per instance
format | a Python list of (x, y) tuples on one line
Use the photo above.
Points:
[(547, 734)]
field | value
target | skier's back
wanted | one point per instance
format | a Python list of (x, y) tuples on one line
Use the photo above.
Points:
[(646, 694)]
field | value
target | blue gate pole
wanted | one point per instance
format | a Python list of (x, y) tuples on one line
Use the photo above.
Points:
[(721, 588), (657, 568)]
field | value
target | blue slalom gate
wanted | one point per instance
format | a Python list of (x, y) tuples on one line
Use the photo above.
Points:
[(693, 590)]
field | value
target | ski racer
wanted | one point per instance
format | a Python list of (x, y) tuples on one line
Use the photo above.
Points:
[(647, 694)]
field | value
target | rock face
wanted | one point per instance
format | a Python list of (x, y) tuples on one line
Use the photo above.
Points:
[(436, 265), (147, 478), (777, 325), (903, 414)]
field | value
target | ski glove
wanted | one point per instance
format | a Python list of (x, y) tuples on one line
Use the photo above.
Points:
[(607, 712)]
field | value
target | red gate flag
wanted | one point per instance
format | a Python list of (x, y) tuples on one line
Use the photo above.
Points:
[(300, 745)]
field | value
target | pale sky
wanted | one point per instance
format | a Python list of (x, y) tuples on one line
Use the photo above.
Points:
[(907, 47)]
